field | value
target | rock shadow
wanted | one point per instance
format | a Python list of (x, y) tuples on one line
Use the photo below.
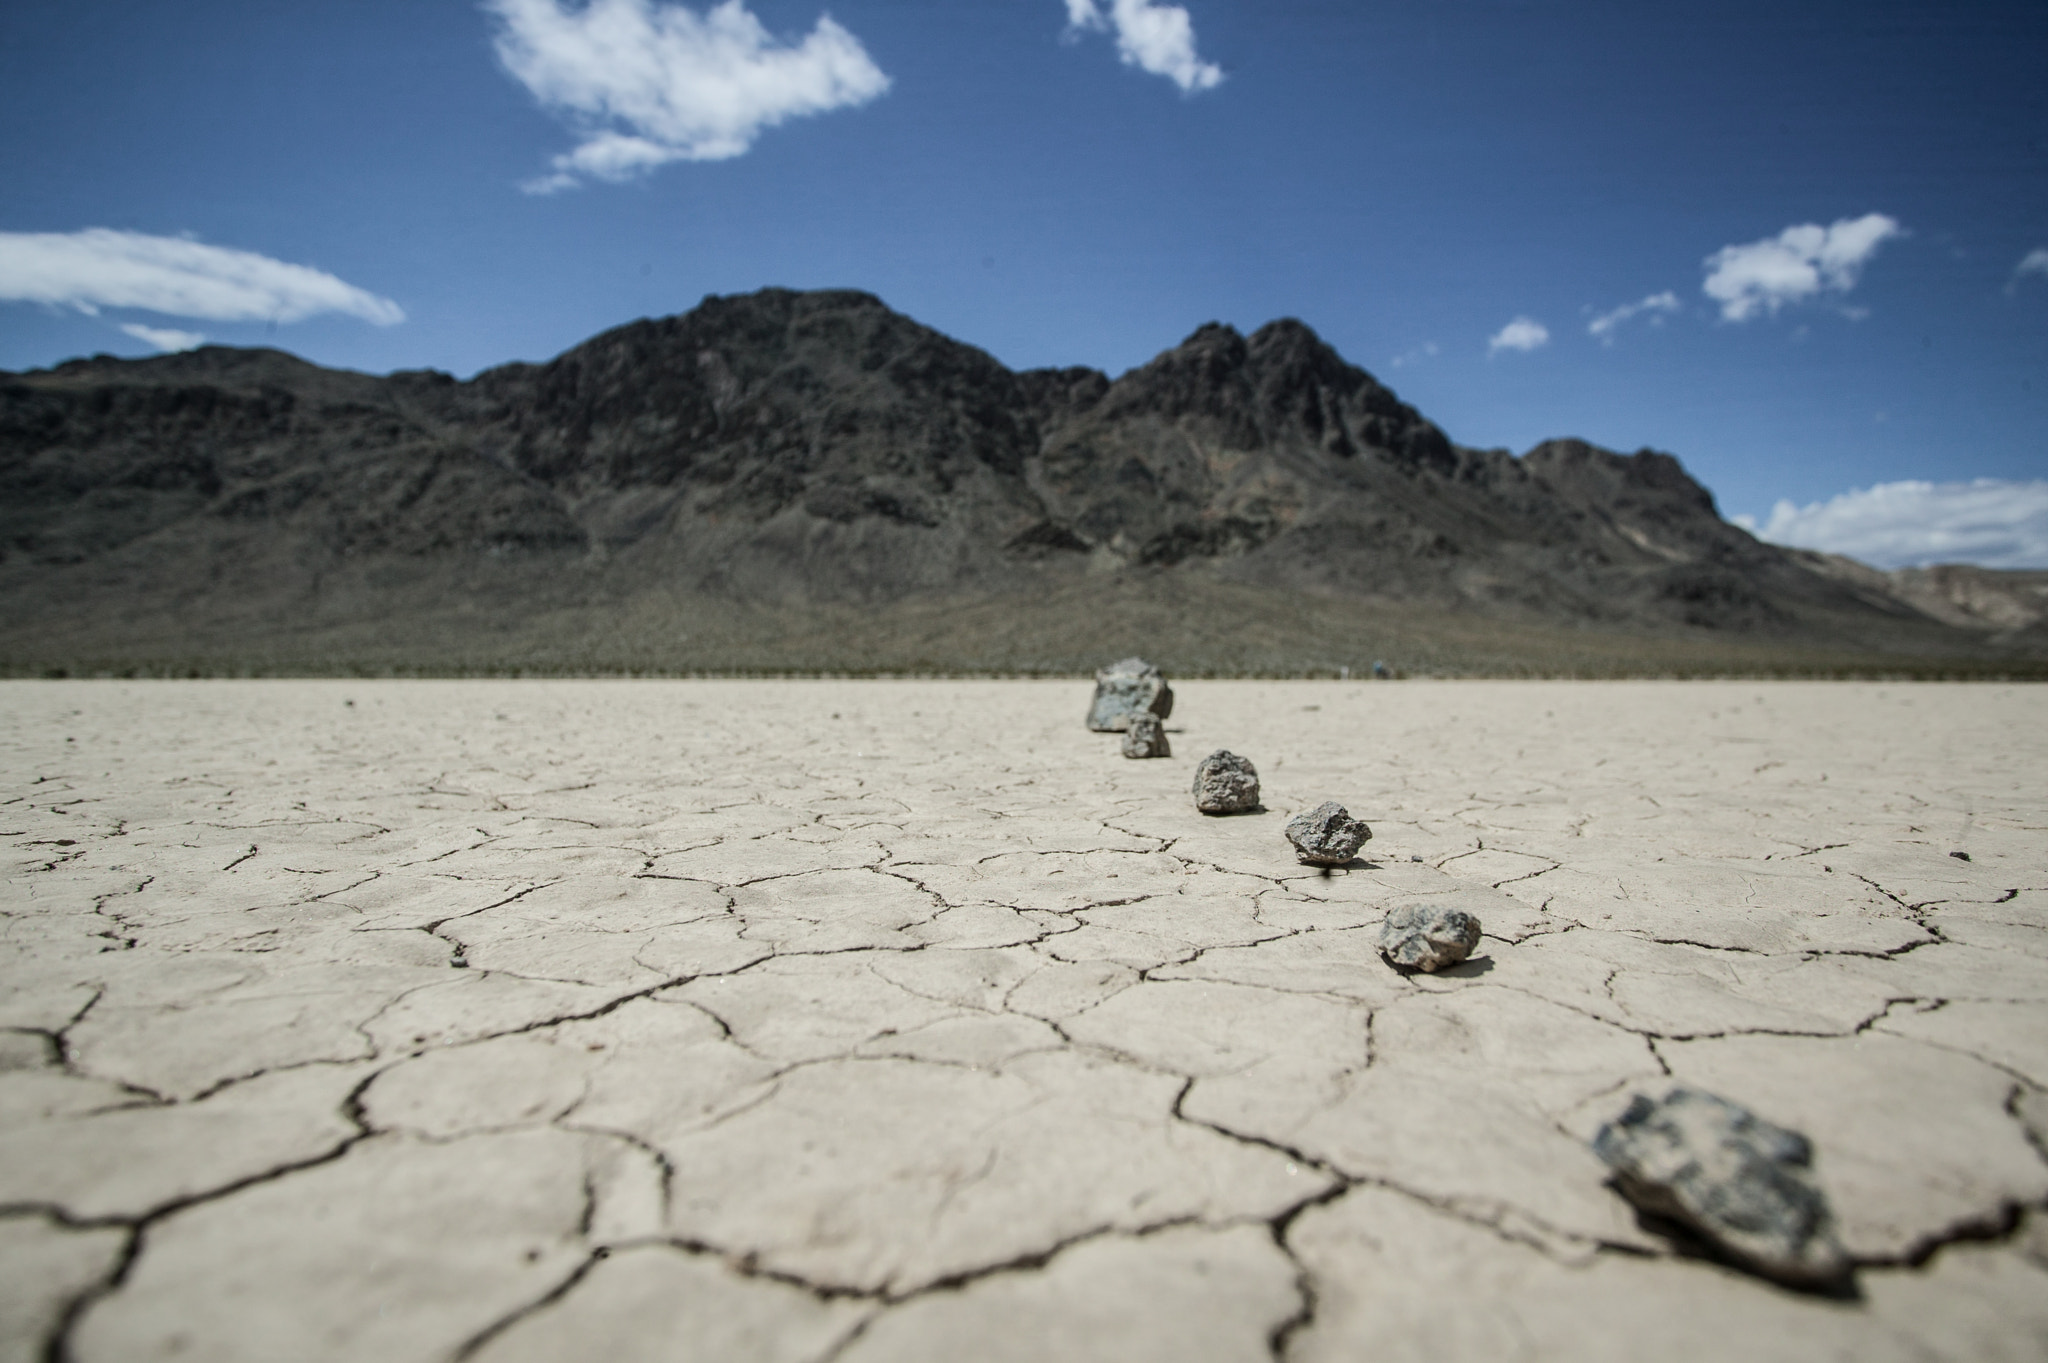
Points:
[(1471, 968), (1686, 1243)]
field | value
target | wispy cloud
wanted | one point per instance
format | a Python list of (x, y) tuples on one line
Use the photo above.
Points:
[(1150, 36), (166, 339), (1426, 351), (1801, 261), (2033, 262), (99, 268), (1656, 304), (1524, 333), (645, 83), (1995, 523)]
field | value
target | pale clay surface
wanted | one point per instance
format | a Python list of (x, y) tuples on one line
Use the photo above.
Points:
[(798, 1021)]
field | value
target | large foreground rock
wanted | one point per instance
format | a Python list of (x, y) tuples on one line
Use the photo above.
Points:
[(1745, 1185)]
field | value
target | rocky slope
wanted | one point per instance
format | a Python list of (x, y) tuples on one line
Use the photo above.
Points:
[(816, 457), (2006, 603)]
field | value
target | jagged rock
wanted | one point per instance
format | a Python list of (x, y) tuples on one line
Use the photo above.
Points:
[(1226, 784), (1744, 1184), (1428, 937), (1129, 687), (1146, 737), (1327, 835)]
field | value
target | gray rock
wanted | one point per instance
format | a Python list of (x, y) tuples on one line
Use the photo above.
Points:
[(1745, 1185), (1146, 737), (1129, 687), (1327, 835), (1428, 937), (1226, 784)]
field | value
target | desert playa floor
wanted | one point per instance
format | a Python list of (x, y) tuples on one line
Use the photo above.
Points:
[(903, 1020)]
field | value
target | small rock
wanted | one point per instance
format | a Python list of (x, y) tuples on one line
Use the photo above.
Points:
[(1327, 835), (1744, 1184), (1146, 737), (1428, 937), (1130, 687), (1226, 784)]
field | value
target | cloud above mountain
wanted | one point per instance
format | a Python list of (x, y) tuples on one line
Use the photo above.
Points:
[(1524, 333), (1799, 263), (645, 83), (1656, 305), (1156, 38), (177, 276), (166, 339), (1989, 521)]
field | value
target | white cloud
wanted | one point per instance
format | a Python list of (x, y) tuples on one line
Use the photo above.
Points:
[(1524, 333), (165, 339), (1657, 303), (1425, 351), (98, 268), (1150, 36), (647, 82), (1796, 264), (1995, 523), (2033, 262)]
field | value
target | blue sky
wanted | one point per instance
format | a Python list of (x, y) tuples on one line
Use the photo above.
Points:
[(1453, 192)]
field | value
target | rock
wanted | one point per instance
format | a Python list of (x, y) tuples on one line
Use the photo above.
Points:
[(1327, 835), (1428, 937), (1130, 687), (1226, 784), (1745, 1185), (1146, 737)]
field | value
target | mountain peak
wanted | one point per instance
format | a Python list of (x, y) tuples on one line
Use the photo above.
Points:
[(1212, 336), (1609, 477)]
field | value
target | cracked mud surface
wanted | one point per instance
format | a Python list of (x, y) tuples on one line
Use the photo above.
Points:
[(894, 1020)]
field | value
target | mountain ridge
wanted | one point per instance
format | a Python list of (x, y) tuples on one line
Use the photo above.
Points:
[(820, 452)]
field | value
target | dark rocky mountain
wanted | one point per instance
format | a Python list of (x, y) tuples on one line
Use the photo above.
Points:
[(811, 480)]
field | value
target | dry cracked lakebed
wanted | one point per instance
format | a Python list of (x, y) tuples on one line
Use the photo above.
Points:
[(908, 1020)]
